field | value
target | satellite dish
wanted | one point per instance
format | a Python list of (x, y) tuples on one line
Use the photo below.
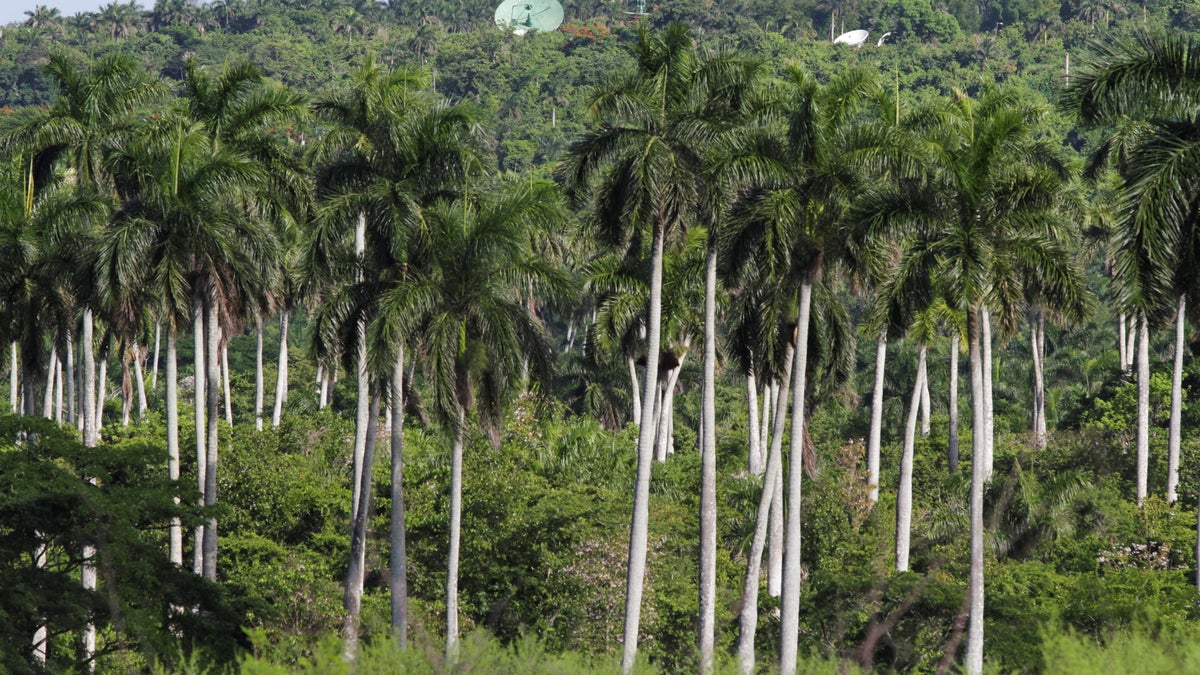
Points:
[(882, 38), (521, 16), (854, 38)]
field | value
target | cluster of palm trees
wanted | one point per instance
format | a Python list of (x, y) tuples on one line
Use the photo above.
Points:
[(960, 214), (129, 210)]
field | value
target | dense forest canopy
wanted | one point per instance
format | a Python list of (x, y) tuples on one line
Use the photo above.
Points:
[(365, 331)]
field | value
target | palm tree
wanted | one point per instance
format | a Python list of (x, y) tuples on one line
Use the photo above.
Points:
[(394, 148), (639, 164), (973, 230), (1151, 81), (92, 111), (478, 263), (801, 166)]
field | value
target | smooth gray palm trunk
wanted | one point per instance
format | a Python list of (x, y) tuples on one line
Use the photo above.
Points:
[(873, 437), (775, 518), (638, 530), (362, 415), (748, 620), (14, 378), (636, 393), (1039, 382), (456, 453), (356, 568), (399, 557), (199, 408), (789, 621), (48, 392), (259, 382), (139, 381), (754, 440), (212, 348), (154, 364), (952, 443), (1176, 405), (90, 439), (926, 408), (226, 398), (281, 377), (91, 433), (974, 656), (1143, 413), (904, 492), (989, 425), (70, 381), (708, 470), (172, 402)]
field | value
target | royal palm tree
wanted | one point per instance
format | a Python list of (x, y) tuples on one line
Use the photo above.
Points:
[(1153, 82), (184, 231), (92, 111), (640, 166), (800, 167), (973, 230), (394, 149), (469, 295)]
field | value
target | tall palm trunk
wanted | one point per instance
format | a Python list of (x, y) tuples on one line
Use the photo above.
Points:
[(212, 367), (281, 377), (873, 437), (172, 401), (974, 656), (91, 434), (226, 396), (258, 374), (1176, 405), (41, 635), (754, 454), (748, 620), (91, 438), (638, 531), (1131, 344), (14, 378), (764, 432), (1143, 414), (708, 469), (456, 453), (637, 395), (200, 391), (1039, 382), (48, 393), (904, 493), (952, 443), (356, 569), (667, 418), (926, 408), (59, 381), (70, 384), (362, 417), (126, 389), (989, 424), (789, 622), (775, 519), (139, 381), (154, 365), (399, 558)]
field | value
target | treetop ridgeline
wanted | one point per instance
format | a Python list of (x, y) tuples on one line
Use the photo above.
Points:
[(661, 321)]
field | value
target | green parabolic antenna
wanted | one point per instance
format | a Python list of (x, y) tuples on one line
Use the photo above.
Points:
[(525, 15)]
